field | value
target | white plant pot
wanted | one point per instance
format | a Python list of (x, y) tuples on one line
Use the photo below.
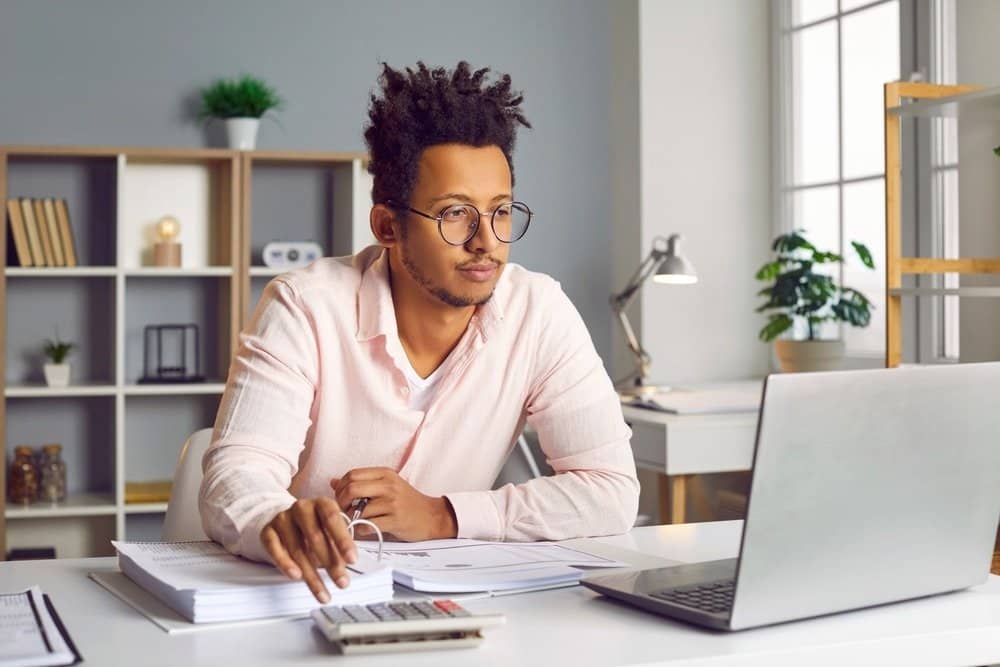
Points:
[(795, 356), (57, 375), (242, 133)]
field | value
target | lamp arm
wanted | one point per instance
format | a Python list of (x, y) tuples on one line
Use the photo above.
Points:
[(621, 301), (642, 359)]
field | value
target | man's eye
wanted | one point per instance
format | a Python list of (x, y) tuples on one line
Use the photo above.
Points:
[(457, 213), (502, 213)]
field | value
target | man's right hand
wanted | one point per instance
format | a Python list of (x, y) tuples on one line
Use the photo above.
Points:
[(308, 536)]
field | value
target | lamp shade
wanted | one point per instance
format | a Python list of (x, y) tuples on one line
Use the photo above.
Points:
[(674, 269)]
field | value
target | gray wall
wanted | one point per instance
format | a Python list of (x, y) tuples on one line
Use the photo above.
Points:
[(124, 72), (979, 170)]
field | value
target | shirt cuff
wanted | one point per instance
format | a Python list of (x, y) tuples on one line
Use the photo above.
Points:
[(476, 515)]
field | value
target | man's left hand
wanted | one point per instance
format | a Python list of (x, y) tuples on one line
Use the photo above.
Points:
[(395, 506)]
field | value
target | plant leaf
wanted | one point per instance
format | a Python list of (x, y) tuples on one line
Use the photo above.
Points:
[(864, 254), (777, 325)]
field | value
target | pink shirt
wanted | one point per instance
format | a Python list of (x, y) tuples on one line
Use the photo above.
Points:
[(316, 390)]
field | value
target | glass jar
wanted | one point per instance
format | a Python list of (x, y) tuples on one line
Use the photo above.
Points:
[(52, 474), (22, 482)]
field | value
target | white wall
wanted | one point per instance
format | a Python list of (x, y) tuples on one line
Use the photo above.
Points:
[(705, 172), (979, 174)]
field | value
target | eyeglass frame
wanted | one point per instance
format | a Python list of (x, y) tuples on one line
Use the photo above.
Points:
[(475, 227)]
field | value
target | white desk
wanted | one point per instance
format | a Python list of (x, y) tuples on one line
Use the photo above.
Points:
[(573, 626), (680, 446)]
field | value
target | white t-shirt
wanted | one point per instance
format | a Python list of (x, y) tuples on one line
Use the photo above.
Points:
[(422, 389)]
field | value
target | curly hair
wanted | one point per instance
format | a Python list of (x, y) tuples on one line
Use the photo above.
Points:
[(427, 107)]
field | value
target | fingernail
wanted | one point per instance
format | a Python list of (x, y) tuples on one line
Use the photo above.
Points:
[(324, 597), (295, 573), (343, 581)]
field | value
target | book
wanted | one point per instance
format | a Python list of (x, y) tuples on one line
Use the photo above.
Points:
[(43, 232), (53, 226), (204, 583), (33, 634), (148, 492), (468, 566), (31, 229), (66, 232), (19, 234)]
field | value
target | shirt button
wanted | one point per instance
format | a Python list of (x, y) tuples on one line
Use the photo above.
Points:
[(405, 390)]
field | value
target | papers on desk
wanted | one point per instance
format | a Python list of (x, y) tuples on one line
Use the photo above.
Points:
[(31, 634), (205, 583), (720, 398), (459, 565)]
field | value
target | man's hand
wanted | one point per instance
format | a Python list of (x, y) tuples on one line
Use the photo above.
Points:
[(395, 506), (309, 535)]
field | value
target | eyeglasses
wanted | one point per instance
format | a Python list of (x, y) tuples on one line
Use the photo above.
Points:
[(459, 222)]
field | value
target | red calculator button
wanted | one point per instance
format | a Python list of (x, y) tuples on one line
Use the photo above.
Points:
[(446, 605)]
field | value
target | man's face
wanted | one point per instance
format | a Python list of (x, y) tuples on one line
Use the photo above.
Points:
[(450, 174)]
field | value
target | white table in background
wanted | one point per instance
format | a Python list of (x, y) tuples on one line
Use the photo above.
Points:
[(680, 446), (571, 626)]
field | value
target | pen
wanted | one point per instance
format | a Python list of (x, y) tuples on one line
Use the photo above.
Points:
[(359, 505)]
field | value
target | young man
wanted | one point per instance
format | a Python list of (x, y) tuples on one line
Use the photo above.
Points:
[(404, 374)]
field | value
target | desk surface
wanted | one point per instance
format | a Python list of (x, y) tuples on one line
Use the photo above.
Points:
[(572, 626)]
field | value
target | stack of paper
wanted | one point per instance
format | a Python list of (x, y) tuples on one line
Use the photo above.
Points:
[(460, 565), (30, 634), (204, 583)]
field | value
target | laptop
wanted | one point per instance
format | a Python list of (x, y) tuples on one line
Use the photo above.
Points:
[(868, 487)]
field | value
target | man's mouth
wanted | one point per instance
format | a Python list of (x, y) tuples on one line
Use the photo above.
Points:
[(480, 272)]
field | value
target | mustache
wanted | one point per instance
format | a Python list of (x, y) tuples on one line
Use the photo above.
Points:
[(479, 261)]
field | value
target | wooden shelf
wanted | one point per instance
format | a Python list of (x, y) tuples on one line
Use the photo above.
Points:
[(79, 504), (179, 389), (44, 391), (266, 271), (946, 291), (179, 272), (984, 103), (145, 508), (56, 272)]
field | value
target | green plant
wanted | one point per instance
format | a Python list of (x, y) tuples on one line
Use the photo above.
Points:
[(57, 350), (997, 151), (797, 291), (245, 97)]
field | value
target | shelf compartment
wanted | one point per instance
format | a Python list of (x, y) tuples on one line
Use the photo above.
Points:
[(145, 526), (172, 272), (81, 310), (83, 425), (72, 536), (204, 301), (199, 192), (44, 391), (61, 272), (76, 504), (156, 428), (88, 183)]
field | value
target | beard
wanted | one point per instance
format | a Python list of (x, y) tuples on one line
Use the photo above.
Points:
[(443, 295)]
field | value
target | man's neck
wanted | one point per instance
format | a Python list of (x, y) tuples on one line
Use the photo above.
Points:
[(428, 328)]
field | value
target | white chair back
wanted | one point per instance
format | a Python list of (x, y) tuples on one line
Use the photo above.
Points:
[(183, 520)]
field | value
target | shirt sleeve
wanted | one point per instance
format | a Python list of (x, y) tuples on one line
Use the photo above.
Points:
[(261, 425), (576, 412)]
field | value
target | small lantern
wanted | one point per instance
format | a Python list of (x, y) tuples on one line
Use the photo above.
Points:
[(170, 353)]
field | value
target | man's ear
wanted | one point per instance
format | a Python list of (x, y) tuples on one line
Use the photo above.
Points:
[(384, 224)]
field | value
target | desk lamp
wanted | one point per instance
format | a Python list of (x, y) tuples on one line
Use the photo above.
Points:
[(666, 267)]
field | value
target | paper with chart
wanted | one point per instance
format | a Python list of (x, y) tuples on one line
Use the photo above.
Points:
[(28, 634), (459, 565)]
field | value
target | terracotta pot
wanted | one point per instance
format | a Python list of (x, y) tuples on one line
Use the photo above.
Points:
[(795, 356)]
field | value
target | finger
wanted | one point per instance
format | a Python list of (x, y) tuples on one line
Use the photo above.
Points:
[(379, 506), (313, 537), (353, 490), (276, 550), (340, 544), (309, 574), (367, 474)]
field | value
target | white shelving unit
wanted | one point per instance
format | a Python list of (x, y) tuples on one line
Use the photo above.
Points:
[(114, 429)]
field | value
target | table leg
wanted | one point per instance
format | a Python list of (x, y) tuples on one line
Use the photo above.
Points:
[(673, 495)]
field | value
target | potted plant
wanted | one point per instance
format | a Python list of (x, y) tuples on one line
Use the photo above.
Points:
[(240, 103), (797, 292), (57, 371)]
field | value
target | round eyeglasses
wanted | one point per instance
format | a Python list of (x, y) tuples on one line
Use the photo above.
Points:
[(458, 223)]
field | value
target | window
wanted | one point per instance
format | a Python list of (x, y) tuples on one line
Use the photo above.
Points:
[(833, 58)]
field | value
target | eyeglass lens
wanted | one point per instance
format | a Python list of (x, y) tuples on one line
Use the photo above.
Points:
[(459, 222)]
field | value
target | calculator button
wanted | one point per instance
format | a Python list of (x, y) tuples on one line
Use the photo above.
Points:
[(360, 613), (337, 615), (406, 611), (450, 607), (428, 609), (384, 613)]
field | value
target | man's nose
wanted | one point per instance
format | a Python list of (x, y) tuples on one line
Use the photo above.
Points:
[(484, 240)]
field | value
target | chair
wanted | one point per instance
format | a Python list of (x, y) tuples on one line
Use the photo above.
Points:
[(183, 520)]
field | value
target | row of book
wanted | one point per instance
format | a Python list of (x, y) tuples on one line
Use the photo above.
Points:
[(41, 232)]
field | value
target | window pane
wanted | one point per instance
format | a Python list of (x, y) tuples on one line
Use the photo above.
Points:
[(864, 221), (807, 11), (814, 104), (870, 43), (848, 5), (817, 211)]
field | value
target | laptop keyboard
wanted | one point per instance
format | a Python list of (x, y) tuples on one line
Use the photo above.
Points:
[(713, 597)]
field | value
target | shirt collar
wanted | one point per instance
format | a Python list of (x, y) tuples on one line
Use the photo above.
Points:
[(377, 317)]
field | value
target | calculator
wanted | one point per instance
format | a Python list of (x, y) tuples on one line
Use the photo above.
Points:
[(402, 626)]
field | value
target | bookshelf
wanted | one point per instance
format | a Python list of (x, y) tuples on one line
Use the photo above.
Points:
[(114, 429)]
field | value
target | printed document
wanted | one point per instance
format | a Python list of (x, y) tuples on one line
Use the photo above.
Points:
[(28, 634)]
